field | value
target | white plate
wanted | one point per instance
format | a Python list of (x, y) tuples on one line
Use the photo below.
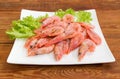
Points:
[(102, 53)]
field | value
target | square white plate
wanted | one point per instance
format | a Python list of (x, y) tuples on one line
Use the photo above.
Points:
[(102, 53)]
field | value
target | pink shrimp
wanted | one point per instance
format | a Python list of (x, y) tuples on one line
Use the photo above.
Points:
[(56, 39), (42, 50), (50, 20), (61, 24), (60, 49), (87, 45), (75, 42), (39, 32), (41, 42), (93, 36), (85, 34), (31, 42), (72, 30), (68, 18), (86, 25), (58, 52), (53, 31), (57, 24), (45, 50), (66, 46)]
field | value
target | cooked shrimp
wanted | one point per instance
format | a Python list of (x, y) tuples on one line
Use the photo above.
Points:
[(58, 52), (66, 46), (87, 45), (60, 49), (51, 20), (61, 24), (30, 43), (41, 42), (93, 36), (39, 32), (53, 31), (72, 30), (68, 18), (86, 25), (85, 34), (56, 39), (75, 42), (45, 50), (42, 50)]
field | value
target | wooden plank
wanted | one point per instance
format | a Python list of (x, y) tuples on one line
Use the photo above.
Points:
[(106, 4), (7, 17), (4, 38), (56, 4), (10, 1)]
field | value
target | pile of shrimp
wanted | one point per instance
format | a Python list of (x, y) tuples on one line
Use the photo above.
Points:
[(61, 36)]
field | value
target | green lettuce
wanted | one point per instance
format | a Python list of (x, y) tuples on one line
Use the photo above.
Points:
[(61, 13), (24, 28), (80, 16)]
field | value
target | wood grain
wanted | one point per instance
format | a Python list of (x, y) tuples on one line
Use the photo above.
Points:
[(108, 12)]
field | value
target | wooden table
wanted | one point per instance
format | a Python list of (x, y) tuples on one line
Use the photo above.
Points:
[(108, 12)]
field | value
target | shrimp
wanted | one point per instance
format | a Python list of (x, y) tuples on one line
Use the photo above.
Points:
[(31, 42), (87, 26), (93, 36), (57, 24), (53, 31), (42, 50), (66, 46), (39, 32), (85, 34), (72, 30), (41, 42), (87, 45), (61, 24), (75, 42), (60, 49), (30, 45), (45, 50), (68, 18), (51, 20), (56, 39)]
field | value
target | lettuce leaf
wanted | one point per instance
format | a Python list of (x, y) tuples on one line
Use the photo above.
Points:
[(24, 28), (61, 13), (80, 16)]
